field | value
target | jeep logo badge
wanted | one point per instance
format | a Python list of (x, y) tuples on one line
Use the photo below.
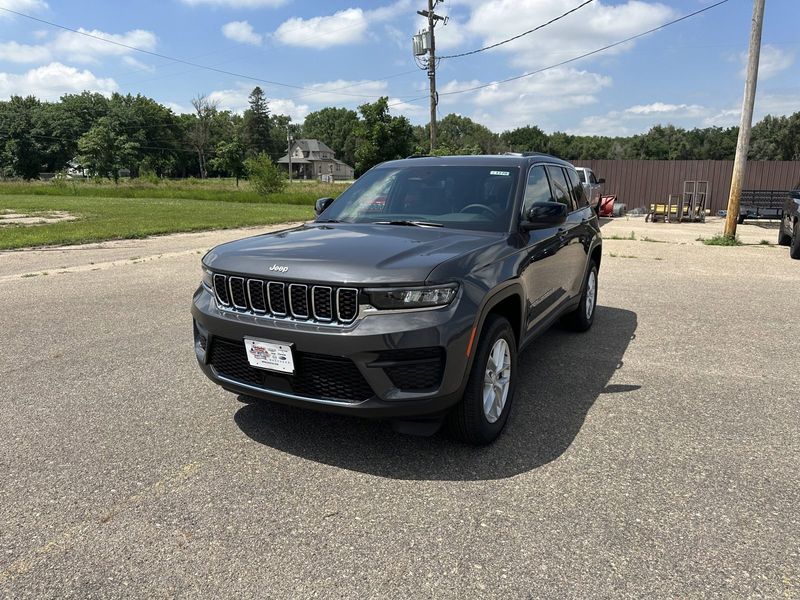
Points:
[(279, 268)]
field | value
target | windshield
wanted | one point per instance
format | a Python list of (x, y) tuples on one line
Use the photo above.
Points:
[(461, 197)]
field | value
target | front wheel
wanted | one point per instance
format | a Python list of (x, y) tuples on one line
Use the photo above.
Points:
[(582, 317), (784, 239), (483, 411)]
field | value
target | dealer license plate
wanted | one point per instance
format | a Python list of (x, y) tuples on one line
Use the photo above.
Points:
[(271, 356)]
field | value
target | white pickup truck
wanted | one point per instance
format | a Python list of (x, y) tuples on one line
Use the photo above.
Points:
[(591, 185)]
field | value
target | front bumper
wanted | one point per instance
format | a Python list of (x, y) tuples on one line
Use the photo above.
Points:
[(335, 358)]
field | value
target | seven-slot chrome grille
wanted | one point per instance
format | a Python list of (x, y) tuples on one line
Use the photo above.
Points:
[(297, 301)]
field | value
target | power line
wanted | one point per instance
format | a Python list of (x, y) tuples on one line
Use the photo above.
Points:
[(523, 34), (182, 61), (587, 54)]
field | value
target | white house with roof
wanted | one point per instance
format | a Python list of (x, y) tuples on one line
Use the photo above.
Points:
[(312, 159)]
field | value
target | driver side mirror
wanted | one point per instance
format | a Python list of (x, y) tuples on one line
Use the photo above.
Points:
[(321, 204), (601, 180), (542, 215)]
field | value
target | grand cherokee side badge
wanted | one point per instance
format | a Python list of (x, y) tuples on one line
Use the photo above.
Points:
[(279, 268)]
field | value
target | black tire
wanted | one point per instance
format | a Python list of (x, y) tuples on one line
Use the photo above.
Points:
[(794, 249), (740, 220), (581, 319), (784, 239), (468, 421)]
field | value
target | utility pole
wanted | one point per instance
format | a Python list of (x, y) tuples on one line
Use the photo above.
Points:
[(743, 142), (431, 62)]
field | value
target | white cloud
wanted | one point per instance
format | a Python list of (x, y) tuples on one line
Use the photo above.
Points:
[(593, 26), (766, 104), (641, 117), (344, 27), (242, 32), (528, 100), (80, 48), (23, 53), (23, 6), (666, 109), (347, 26), (324, 93), (137, 64), (772, 61), (237, 3), (52, 80), (407, 109)]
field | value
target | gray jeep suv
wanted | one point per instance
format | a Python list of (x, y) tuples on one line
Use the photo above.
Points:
[(410, 295)]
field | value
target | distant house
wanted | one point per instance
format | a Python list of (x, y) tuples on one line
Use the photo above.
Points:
[(311, 159)]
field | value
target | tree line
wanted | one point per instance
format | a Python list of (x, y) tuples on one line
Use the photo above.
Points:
[(105, 135)]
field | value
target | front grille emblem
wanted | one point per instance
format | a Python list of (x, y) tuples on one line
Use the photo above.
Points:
[(279, 268)]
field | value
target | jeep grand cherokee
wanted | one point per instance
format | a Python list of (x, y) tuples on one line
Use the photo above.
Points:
[(410, 295)]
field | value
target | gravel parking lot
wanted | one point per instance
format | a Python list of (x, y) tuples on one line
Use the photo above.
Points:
[(657, 455)]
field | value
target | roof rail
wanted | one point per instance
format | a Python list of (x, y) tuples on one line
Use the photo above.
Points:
[(419, 156)]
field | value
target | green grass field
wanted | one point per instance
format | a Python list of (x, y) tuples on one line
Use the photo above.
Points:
[(136, 210)]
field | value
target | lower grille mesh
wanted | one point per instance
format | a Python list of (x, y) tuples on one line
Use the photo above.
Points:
[(316, 375), (414, 369)]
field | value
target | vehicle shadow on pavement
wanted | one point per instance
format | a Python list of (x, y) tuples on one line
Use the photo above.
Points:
[(563, 374)]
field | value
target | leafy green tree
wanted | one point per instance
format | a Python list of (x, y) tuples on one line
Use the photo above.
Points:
[(20, 148), (105, 151), (335, 127), (257, 125), (381, 137), (280, 125), (264, 175), (230, 157), (525, 139)]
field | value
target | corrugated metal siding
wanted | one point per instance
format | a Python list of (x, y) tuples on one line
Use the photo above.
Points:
[(641, 182)]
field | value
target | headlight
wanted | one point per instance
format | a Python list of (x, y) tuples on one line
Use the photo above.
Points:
[(208, 279), (422, 297)]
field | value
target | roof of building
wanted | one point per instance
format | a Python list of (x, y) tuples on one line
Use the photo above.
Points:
[(313, 146)]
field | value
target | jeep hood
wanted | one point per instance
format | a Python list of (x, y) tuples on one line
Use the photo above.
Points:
[(347, 253)]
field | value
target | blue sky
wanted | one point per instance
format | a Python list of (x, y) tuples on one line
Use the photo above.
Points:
[(346, 52)]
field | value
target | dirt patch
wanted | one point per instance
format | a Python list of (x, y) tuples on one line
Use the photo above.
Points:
[(27, 219)]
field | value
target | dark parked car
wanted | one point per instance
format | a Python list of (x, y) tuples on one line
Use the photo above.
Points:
[(410, 295), (789, 232)]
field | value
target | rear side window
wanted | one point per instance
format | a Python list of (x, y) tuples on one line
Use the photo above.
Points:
[(537, 189), (560, 186), (582, 175), (577, 189)]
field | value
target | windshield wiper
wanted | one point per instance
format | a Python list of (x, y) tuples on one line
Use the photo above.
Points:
[(409, 223), (327, 221)]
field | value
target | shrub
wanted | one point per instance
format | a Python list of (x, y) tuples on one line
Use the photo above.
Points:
[(265, 177)]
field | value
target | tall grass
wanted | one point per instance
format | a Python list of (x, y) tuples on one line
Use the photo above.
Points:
[(219, 190)]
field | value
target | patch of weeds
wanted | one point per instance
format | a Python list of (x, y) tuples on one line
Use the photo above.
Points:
[(721, 240), (135, 258), (764, 243), (657, 258), (632, 236), (613, 255), (649, 239), (30, 275)]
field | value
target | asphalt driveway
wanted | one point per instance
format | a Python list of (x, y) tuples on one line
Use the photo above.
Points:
[(657, 455)]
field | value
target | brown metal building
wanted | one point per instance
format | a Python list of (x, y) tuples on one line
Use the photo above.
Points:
[(638, 183)]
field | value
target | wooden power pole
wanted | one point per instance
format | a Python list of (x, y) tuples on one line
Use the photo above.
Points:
[(743, 143), (432, 19)]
